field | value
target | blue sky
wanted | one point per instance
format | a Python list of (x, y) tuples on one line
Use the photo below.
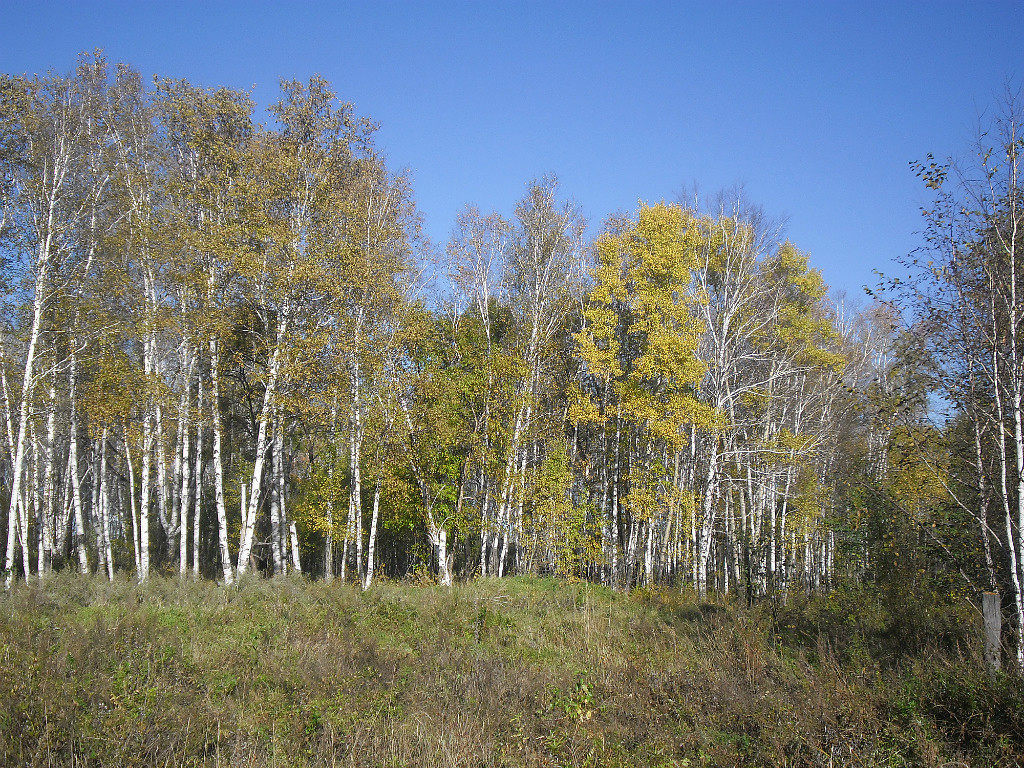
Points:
[(815, 108)]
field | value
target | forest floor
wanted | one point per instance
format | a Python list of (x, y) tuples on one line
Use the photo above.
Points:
[(511, 672)]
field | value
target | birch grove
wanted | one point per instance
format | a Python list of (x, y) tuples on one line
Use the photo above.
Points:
[(227, 348)]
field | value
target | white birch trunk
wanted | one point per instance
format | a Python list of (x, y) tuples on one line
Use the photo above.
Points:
[(437, 535), (183, 498), (282, 493), (162, 476), (145, 458), (76, 482), (104, 500), (46, 519), (504, 507), (510, 524), (21, 440), (294, 533), (198, 497), (277, 499), (707, 528), (218, 466), (62, 523), (372, 545), (250, 513), (31, 510), (136, 540), (177, 498), (355, 451), (96, 513), (243, 506)]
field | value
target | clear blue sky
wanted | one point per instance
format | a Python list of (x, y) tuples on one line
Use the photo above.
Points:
[(816, 108)]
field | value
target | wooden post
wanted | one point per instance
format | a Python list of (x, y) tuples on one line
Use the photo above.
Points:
[(993, 623)]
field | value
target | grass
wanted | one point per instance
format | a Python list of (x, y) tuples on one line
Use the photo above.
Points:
[(511, 672)]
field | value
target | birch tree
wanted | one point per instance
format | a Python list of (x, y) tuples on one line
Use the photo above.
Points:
[(56, 193), (966, 289), (208, 133), (639, 345)]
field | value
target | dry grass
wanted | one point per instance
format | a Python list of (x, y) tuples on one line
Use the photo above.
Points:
[(505, 673)]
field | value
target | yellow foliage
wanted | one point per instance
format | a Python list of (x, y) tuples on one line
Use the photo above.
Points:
[(640, 336)]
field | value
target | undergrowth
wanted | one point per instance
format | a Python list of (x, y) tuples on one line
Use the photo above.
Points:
[(511, 672)]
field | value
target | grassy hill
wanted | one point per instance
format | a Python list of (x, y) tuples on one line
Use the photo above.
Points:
[(508, 672)]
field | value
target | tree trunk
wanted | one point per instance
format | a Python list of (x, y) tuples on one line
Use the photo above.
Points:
[(21, 439), (108, 553), (76, 482), (46, 518), (372, 545), (707, 527), (136, 545), (218, 465), (198, 498), (277, 499), (250, 513)]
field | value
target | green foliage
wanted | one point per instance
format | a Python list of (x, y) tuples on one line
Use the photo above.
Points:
[(803, 327), (321, 500), (571, 536), (879, 626)]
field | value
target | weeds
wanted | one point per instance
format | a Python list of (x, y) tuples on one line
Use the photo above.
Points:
[(509, 672)]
